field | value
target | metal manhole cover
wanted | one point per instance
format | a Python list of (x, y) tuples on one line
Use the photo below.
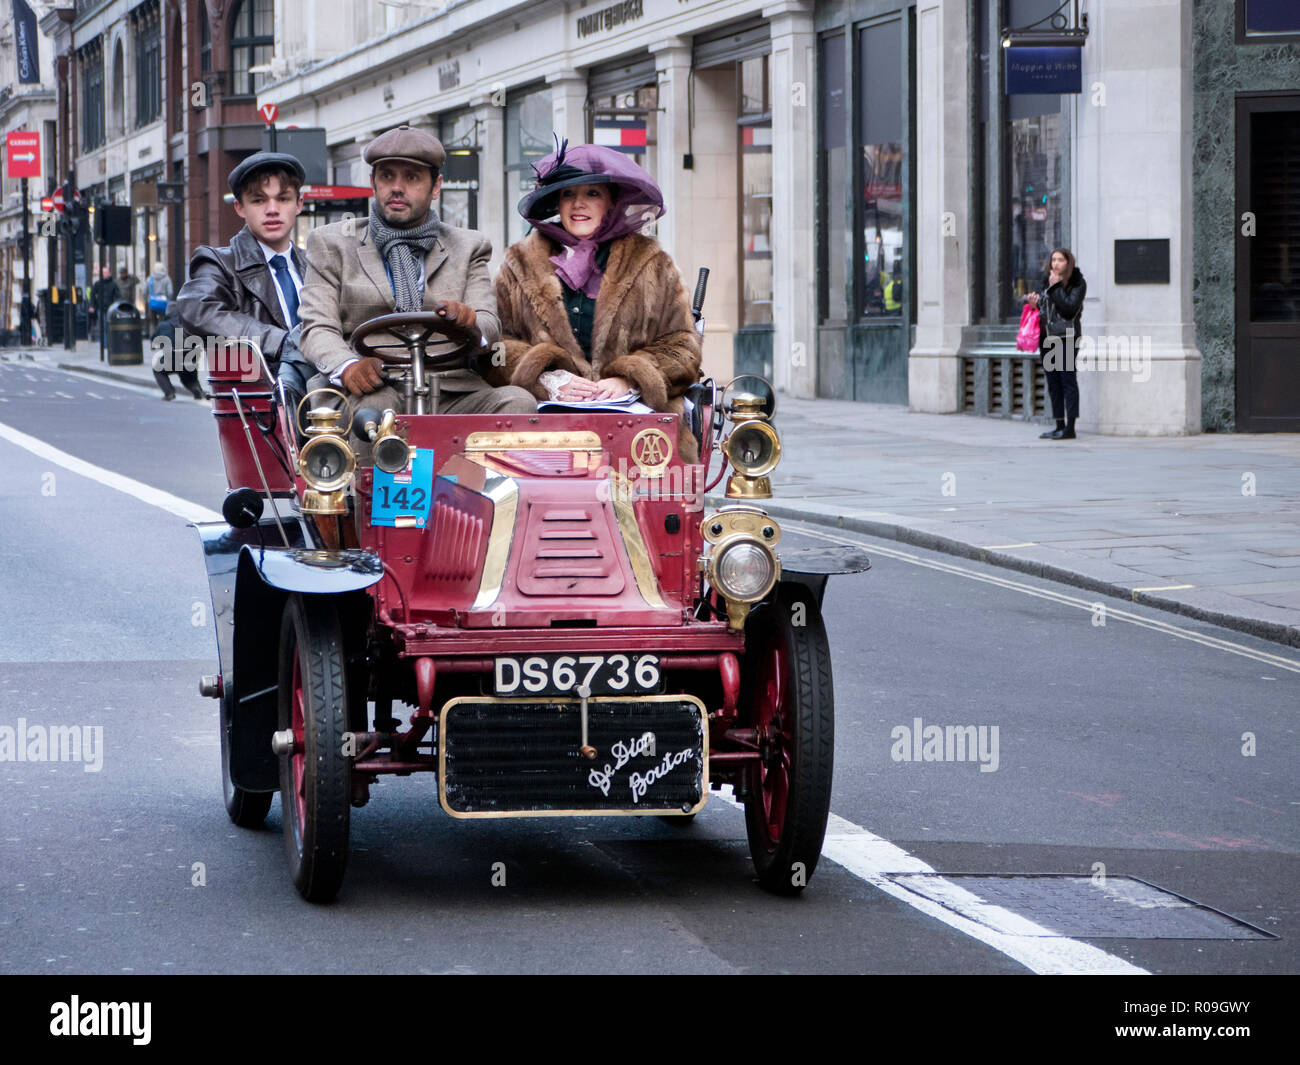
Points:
[(1062, 904)]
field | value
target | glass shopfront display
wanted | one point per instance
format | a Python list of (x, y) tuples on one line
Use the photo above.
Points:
[(880, 173), (458, 203), (529, 123)]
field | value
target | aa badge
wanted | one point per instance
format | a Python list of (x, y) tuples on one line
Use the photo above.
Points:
[(651, 450)]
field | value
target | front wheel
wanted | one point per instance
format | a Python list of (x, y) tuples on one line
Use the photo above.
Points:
[(792, 706), (316, 778)]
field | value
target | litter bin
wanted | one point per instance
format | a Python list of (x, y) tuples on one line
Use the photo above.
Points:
[(125, 341)]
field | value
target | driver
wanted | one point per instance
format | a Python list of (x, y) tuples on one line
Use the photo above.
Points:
[(403, 259)]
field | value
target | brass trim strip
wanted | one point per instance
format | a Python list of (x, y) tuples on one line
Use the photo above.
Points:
[(504, 493), (621, 495), (647, 812), (578, 440)]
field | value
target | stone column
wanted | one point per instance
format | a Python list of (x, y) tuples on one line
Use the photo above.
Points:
[(943, 221), (673, 70), (491, 117), (1136, 105), (568, 103), (794, 173)]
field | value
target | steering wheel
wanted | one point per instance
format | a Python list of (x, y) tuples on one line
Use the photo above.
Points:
[(411, 330)]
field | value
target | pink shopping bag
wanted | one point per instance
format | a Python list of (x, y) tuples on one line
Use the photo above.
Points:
[(1027, 337)]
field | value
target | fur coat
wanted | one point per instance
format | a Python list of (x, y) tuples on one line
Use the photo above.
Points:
[(643, 327)]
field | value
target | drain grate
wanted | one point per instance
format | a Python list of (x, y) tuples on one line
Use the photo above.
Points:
[(1063, 904)]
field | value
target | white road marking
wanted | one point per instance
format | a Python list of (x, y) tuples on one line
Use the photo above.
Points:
[(1068, 600), (1038, 949), (182, 508)]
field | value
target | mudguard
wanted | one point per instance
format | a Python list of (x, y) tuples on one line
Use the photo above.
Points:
[(249, 580), (813, 566)]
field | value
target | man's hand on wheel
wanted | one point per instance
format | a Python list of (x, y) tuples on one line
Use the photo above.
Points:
[(364, 376), (460, 313)]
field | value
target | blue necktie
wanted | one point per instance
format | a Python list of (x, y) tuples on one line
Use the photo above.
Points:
[(285, 281)]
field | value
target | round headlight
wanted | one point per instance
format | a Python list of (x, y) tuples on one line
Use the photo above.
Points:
[(744, 571), (754, 448), (326, 463)]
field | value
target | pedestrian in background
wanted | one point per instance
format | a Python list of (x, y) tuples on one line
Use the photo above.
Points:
[(126, 285), (103, 294), (1060, 309), (158, 293), (167, 358)]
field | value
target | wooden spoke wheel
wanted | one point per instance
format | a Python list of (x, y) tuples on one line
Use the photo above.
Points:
[(791, 704), (316, 779)]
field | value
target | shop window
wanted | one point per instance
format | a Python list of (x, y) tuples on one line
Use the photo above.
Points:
[(1275, 198), (1267, 21), (529, 124), (879, 260), (835, 239), (627, 122), (755, 141), (1038, 195), (252, 40), (458, 203)]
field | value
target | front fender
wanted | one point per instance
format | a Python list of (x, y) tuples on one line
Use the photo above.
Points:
[(314, 572)]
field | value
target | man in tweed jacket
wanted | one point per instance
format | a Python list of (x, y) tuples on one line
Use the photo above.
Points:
[(402, 259)]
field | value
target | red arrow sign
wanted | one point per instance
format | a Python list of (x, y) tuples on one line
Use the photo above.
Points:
[(23, 154), (268, 112)]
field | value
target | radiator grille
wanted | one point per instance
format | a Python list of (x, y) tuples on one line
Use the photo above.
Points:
[(501, 757)]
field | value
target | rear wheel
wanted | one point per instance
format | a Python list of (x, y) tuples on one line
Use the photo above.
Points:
[(316, 779), (792, 707), (247, 809)]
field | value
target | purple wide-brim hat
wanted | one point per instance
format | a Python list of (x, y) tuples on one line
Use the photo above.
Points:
[(637, 199)]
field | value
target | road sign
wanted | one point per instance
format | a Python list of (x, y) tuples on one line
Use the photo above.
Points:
[(47, 203), (268, 112), (23, 153), (57, 199), (171, 192)]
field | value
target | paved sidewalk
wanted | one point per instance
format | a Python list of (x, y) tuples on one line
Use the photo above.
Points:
[(1207, 526)]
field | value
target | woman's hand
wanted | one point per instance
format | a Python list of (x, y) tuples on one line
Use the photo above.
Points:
[(1053, 278), (577, 388), (1032, 299), (612, 387)]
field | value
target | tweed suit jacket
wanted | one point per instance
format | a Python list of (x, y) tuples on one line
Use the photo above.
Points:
[(347, 285)]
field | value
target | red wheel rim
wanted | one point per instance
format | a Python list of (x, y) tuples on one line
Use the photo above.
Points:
[(775, 724), (298, 760)]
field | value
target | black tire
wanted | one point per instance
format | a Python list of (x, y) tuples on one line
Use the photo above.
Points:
[(247, 809), (315, 831), (804, 756)]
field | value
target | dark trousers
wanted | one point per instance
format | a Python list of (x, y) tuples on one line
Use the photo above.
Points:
[(1063, 390), (189, 381)]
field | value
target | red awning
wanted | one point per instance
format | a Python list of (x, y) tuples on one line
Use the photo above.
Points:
[(336, 192)]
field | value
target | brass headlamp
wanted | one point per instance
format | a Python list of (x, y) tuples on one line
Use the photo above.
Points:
[(753, 448), (742, 565), (326, 462)]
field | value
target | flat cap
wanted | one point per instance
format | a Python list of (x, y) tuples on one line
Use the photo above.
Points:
[(410, 145), (263, 161)]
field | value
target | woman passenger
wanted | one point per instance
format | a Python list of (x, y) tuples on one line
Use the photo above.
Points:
[(585, 293)]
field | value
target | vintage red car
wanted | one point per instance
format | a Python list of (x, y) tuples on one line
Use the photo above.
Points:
[(540, 610)]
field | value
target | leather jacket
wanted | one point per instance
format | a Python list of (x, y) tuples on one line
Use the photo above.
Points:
[(232, 293), (1062, 305)]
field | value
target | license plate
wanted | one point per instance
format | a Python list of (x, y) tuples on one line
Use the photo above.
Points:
[(618, 674)]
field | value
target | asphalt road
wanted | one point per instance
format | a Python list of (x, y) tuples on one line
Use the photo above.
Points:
[(1120, 744)]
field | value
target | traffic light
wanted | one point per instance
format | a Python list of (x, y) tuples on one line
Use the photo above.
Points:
[(113, 224)]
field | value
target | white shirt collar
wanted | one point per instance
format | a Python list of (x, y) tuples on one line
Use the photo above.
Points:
[(269, 253)]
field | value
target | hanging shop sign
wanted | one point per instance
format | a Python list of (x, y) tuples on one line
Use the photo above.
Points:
[(627, 135), (1032, 71)]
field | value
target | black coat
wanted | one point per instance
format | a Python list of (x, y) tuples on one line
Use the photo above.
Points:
[(1061, 305), (231, 293)]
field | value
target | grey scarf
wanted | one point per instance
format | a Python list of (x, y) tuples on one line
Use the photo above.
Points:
[(405, 267)]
